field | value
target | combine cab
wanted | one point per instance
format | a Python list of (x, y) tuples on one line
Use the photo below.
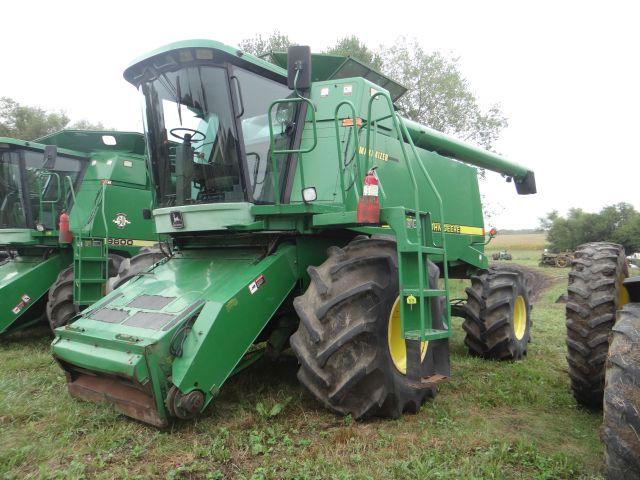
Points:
[(302, 211), (70, 203)]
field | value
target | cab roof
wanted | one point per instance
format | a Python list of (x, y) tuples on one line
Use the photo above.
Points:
[(323, 66), (80, 143), (200, 50)]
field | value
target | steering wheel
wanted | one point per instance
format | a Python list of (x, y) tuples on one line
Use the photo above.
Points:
[(187, 130)]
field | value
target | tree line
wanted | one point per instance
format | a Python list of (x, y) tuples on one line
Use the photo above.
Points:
[(28, 122), (619, 223)]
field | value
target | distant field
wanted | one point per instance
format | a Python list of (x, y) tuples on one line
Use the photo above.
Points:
[(529, 241)]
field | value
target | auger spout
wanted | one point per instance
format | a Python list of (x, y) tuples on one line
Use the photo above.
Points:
[(429, 139)]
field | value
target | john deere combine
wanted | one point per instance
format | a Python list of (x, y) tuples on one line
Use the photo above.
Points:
[(302, 210), (69, 202)]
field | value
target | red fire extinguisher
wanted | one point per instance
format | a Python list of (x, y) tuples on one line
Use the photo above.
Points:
[(65, 235), (368, 205)]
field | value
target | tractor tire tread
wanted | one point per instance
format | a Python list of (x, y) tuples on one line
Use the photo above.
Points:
[(341, 343), (590, 315), (488, 311), (621, 416)]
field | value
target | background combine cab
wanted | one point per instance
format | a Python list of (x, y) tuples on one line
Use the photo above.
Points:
[(95, 185), (302, 210)]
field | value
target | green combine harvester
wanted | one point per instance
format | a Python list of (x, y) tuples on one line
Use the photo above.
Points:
[(71, 210), (302, 210)]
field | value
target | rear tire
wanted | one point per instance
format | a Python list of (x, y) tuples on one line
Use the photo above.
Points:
[(594, 294), (621, 424), (498, 313), (60, 307), (131, 267), (342, 342)]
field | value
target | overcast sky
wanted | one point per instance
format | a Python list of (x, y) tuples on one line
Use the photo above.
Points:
[(565, 73)]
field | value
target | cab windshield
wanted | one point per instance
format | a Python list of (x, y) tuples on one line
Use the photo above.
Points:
[(220, 113), (31, 193)]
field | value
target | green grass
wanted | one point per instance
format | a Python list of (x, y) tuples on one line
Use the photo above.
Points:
[(492, 420)]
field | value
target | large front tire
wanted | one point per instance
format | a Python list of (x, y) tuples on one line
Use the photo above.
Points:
[(621, 423), (60, 306), (594, 294), (498, 313), (134, 266), (350, 358)]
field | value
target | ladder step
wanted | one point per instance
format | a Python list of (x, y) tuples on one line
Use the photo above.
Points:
[(429, 334), (91, 280), (94, 259), (425, 293)]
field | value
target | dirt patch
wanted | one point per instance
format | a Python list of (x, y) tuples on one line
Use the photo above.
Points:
[(537, 280)]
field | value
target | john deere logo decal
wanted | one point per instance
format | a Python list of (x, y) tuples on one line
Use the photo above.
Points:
[(121, 220)]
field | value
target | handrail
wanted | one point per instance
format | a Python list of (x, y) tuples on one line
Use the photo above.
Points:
[(71, 188), (42, 202), (341, 159), (429, 180), (445, 266), (421, 279), (274, 153), (313, 120), (402, 131), (396, 125), (104, 217)]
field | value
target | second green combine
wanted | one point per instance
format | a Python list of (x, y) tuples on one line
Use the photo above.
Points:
[(71, 211), (302, 210)]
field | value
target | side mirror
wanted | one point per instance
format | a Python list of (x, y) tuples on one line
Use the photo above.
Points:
[(299, 63), (50, 155)]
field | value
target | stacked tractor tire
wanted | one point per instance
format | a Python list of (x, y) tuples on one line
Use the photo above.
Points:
[(603, 351)]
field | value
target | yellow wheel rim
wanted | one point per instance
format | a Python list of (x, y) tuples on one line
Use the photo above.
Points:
[(623, 294), (397, 347), (519, 317)]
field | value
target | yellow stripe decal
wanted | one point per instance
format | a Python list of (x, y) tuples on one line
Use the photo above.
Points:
[(128, 242), (458, 229)]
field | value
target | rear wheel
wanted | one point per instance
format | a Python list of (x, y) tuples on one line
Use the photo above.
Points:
[(131, 267), (352, 356), (621, 427), (60, 307), (498, 313), (594, 294)]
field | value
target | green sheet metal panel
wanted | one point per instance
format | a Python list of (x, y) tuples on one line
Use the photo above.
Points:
[(23, 281), (325, 66)]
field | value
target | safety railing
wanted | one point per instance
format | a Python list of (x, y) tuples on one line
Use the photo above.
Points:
[(423, 232), (356, 149), (275, 152), (43, 203)]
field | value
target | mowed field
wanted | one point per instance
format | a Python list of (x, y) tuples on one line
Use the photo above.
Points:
[(491, 421), (531, 241)]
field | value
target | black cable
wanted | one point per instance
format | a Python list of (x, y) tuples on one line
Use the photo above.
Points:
[(183, 331)]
